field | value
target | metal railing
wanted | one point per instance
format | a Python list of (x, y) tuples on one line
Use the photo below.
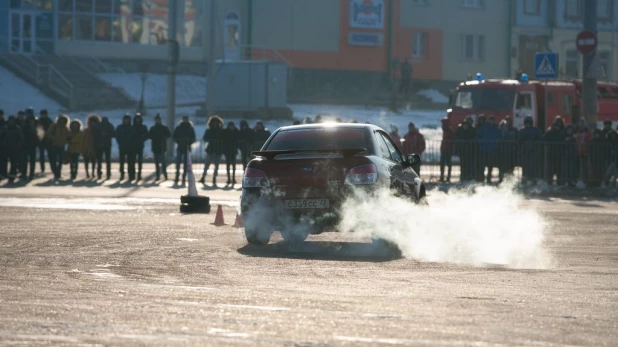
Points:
[(250, 52), (41, 75), (95, 65)]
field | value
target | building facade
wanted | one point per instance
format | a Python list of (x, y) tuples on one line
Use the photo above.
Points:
[(444, 39), (552, 26)]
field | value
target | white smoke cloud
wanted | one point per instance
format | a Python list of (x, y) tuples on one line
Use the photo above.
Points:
[(477, 226)]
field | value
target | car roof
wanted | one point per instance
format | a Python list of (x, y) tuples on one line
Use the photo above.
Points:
[(331, 125)]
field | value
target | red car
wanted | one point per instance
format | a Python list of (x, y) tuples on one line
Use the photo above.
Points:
[(303, 173)]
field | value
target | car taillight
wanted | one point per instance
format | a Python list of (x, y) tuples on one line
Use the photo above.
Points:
[(365, 174), (254, 179)]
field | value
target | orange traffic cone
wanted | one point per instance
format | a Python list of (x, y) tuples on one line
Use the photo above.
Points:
[(219, 217), (238, 222)]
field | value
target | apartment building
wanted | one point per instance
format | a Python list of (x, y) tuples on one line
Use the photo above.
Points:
[(444, 39), (552, 26)]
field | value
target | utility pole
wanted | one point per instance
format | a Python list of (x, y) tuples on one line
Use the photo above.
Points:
[(212, 56), (172, 58), (591, 67)]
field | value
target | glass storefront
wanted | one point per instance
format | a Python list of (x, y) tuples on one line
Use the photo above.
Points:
[(31, 26), (127, 21)]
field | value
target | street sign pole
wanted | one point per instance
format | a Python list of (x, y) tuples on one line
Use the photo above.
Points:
[(591, 68)]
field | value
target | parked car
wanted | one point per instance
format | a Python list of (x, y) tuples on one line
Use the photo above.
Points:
[(303, 173)]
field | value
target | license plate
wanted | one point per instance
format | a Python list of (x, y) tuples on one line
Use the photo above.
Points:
[(306, 204)]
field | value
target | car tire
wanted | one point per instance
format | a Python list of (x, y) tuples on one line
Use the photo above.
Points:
[(259, 236), (194, 200), (294, 235), (184, 208), (391, 249)]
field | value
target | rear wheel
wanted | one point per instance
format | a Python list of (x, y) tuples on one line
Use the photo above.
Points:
[(295, 235), (391, 248), (194, 208), (258, 235)]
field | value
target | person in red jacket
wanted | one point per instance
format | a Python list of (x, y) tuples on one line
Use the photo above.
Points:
[(414, 143), (446, 150), (582, 138)]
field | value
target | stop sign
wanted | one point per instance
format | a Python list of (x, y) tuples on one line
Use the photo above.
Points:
[(586, 42)]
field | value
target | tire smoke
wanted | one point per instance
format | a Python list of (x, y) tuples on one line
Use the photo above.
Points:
[(481, 225)]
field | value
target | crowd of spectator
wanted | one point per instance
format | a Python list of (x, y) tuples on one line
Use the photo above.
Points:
[(563, 154), (26, 137)]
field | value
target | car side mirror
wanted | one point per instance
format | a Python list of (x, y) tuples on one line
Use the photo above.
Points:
[(413, 159)]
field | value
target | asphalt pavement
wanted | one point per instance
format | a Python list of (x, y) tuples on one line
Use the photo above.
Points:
[(116, 264)]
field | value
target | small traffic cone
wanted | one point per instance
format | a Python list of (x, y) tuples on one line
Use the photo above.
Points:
[(238, 222), (219, 217)]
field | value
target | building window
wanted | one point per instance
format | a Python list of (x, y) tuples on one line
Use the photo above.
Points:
[(103, 28), (532, 7), (473, 3), (419, 45), (473, 47), (83, 27), (65, 26), (574, 9), (83, 6), (572, 64), (604, 10)]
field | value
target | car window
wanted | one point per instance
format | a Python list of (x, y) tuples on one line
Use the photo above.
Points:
[(392, 148), (385, 153), (319, 139)]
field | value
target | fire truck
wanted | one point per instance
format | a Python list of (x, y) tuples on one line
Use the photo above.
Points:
[(520, 98)]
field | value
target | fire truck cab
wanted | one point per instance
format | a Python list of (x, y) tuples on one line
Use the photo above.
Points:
[(520, 98)]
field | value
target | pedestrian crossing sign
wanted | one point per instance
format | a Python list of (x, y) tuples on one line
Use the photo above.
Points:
[(546, 65)]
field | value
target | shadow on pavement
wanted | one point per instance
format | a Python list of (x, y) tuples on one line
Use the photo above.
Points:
[(67, 182), (321, 250)]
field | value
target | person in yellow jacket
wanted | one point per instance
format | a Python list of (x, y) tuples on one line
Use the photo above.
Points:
[(76, 145), (58, 135)]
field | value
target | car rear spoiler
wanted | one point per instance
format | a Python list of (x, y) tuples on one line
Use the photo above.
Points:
[(346, 152)]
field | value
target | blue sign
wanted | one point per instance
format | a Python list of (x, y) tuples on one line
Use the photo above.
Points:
[(546, 65)]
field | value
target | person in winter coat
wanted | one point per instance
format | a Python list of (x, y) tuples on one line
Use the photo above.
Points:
[(213, 136), (611, 174), (465, 137), (598, 150), (230, 150), (568, 158), (414, 143), (89, 150), (507, 148), (3, 157), (44, 123), (58, 135), (394, 134), (582, 139), (76, 146), (158, 135), (126, 136), (31, 142), (261, 134), (12, 139), (245, 142), (446, 150), (488, 135), (607, 128), (553, 139), (104, 132), (141, 133), (184, 137), (529, 138)]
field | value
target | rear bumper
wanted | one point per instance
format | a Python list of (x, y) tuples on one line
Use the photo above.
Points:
[(268, 208)]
